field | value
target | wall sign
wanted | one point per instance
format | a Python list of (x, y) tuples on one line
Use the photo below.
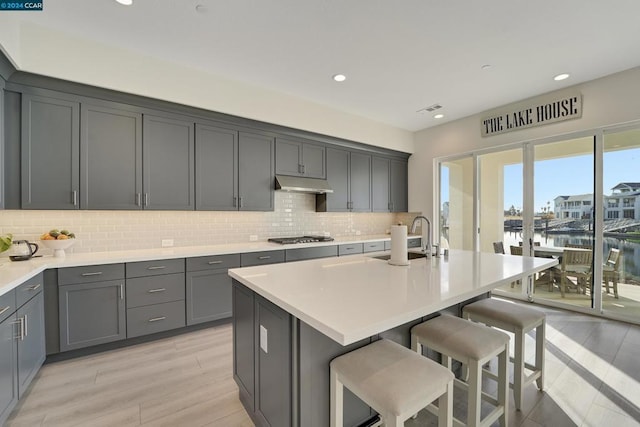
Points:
[(534, 112)]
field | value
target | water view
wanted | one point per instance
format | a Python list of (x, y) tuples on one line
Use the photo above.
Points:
[(629, 248)]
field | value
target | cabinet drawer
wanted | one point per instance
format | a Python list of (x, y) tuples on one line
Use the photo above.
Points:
[(153, 268), (311, 253), (155, 289), (7, 304), (373, 246), (414, 243), (28, 290), (91, 273), (213, 262), (261, 258), (155, 318), (350, 249)]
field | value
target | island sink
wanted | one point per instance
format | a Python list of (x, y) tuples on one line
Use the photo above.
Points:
[(410, 255)]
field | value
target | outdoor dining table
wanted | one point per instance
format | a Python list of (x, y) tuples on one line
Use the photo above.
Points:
[(546, 277)]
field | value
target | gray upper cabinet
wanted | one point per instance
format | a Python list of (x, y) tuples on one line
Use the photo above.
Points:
[(338, 177), (50, 153), (380, 183), (111, 158), (299, 158), (349, 175), (169, 162), (234, 170), (399, 186), (360, 182), (256, 172), (216, 168)]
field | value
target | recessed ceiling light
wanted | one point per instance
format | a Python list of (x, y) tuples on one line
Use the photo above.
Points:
[(438, 116), (201, 8), (125, 2), (485, 66), (339, 77), (561, 77)]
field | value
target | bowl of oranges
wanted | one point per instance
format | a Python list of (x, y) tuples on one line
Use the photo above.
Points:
[(58, 240)]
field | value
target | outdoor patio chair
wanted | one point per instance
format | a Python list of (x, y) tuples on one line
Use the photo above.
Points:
[(576, 246), (610, 270), (575, 264), (515, 250)]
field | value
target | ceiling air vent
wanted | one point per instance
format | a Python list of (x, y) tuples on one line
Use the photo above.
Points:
[(430, 108)]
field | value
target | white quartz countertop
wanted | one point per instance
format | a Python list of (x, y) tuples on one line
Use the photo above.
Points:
[(355, 297), (13, 274)]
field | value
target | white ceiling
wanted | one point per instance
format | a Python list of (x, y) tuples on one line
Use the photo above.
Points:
[(399, 56)]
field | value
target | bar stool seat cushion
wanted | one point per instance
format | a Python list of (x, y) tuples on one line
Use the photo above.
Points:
[(390, 377), (459, 337), (505, 313)]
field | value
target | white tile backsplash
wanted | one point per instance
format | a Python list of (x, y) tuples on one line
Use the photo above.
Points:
[(294, 214)]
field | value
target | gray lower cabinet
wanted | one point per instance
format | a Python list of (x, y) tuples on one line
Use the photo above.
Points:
[(86, 295), (301, 254), (373, 246), (249, 259), (350, 249), (262, 365), (155, 296), (22, 342), (8, 366), (31, 346), (50, 150), (168, 164), (208, 292), (111, 157)]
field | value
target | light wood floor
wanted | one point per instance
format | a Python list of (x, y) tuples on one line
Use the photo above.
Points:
[(592, 379)]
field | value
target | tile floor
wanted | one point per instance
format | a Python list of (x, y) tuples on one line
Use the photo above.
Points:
[(592, 379)]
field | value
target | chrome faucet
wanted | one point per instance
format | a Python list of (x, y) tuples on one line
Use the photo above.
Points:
[(426, 246)]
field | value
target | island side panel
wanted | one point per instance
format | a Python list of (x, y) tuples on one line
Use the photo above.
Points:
[(316, 351), (244, 344)]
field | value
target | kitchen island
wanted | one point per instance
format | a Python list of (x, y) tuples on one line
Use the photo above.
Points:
[(290, 320)]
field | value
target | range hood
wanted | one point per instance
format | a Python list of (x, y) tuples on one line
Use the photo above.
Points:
[(302, 185)]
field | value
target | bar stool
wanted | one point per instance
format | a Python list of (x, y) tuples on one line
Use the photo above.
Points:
[(473, 345), (518, 320), (393, 380)]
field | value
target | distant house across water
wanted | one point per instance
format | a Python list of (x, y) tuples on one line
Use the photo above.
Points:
[(624, 202)]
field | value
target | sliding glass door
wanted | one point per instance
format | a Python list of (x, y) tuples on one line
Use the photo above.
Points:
[(457, 180), (621, 228)]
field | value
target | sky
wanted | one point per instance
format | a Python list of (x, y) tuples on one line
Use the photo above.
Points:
[(564, 177)]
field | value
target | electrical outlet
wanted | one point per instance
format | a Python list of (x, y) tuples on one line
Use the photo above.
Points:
[(264, 338), (253, 238), (357, 232), (167, 243)]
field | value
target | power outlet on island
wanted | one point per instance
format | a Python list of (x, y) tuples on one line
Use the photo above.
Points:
[(167, 243), (264, 339)]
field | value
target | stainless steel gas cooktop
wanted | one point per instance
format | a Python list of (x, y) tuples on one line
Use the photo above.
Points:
[(300, 239)]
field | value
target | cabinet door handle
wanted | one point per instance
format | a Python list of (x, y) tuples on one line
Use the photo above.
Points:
[(121, 291), (153, 291), (157, 319), (4, 309), (301, 168), (240, 202), (138, 199), (264, 257), (35, 287), (26, 327), (214, 262), (235, 202), (146, 199), (74, 197), (157, 267), (95, 273)]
